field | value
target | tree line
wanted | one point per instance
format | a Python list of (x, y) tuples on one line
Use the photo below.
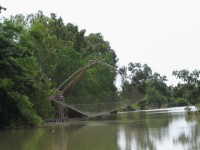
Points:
[(156, 92), (39, 52)]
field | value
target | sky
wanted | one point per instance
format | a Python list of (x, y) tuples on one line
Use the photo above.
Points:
[(165, 34)]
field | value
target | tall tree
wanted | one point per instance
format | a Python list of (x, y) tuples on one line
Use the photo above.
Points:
[(21, 80), (189, 88), (153, 86)]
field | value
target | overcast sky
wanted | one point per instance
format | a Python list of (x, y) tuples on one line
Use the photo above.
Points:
[(165, 34)]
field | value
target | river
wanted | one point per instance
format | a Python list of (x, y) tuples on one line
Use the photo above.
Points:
[(162, 129)]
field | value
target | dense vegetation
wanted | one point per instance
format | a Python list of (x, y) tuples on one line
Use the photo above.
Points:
[(37, 53), (156, 92)]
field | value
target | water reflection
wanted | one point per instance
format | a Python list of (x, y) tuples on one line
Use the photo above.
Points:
[(189, 138), (126, 131), (59, 137), (145, 133), (20, 139), (93, 136), (156, 132)]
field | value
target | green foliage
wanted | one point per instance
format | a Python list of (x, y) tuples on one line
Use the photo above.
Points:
[(5, 83), (171, 102), (181, 102), (139, 74), (25, 108), (157, 93), (135, 106), (19, 76), (37, 54), (189, 88), (154, 98), (153, 86), (186, 76)]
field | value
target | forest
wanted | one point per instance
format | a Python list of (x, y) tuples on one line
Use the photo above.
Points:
[(39, 52)]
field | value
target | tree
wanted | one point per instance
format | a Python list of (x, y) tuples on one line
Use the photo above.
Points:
[(16, 107), (139, 74), (157, 92), (189, 89), (152, 85), (181, 102), (154, 99), (62, 49), (21, 80), (55, 51)]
